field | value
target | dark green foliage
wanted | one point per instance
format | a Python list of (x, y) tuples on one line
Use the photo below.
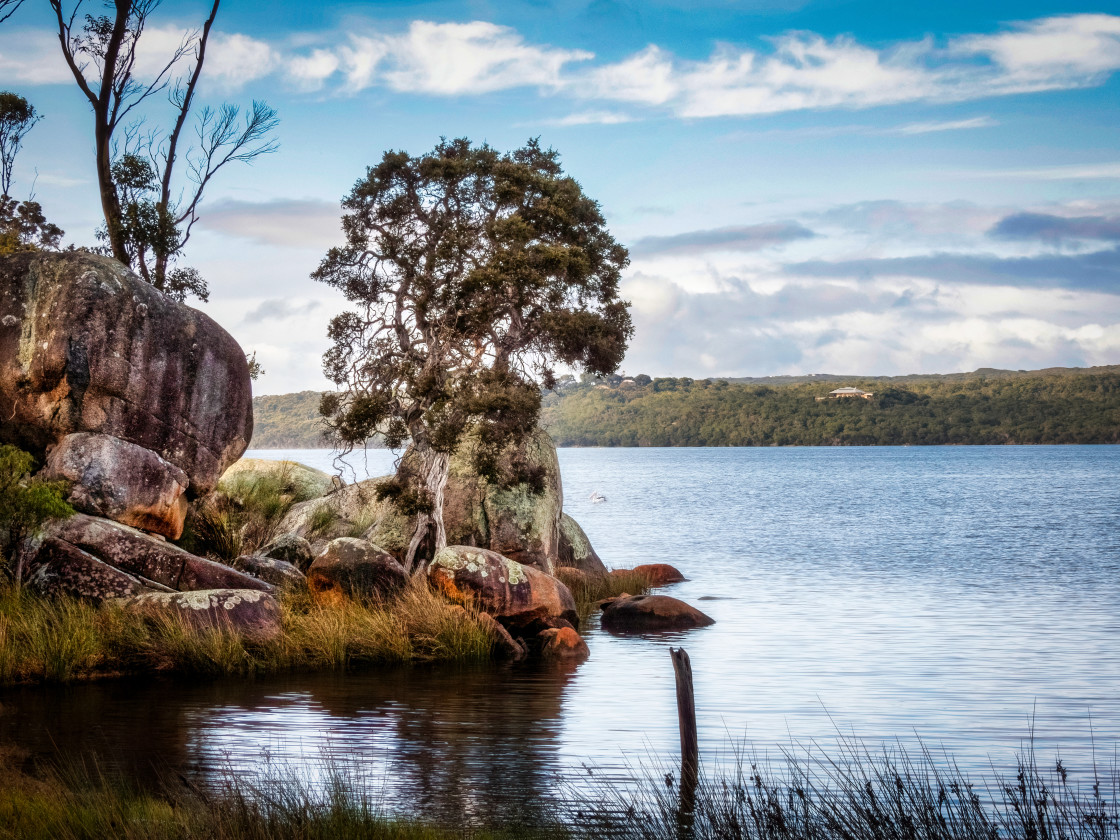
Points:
[(25, 503), (17, 117), (23, 227), (1044, 407), (472, 274)]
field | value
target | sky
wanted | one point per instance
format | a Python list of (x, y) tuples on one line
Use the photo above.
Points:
[(805, 186)]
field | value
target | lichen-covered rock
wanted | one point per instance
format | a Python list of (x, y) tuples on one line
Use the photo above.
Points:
[(659, 574), (513, 593), (563, 643), (251, 612), (119, 480), (650, 613), (59, 568), (87, 346), (353, 568), (574, 549), (291, 548), (147, 557), (352, 509), (304, 481), (270, 570)]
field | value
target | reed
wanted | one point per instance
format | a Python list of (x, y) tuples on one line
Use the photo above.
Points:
[(856, 794)]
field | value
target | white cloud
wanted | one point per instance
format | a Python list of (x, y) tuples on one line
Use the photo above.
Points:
[(591, 118), (447, 59), (947, 125), (285, 223), (31, 57), (1066, 172)]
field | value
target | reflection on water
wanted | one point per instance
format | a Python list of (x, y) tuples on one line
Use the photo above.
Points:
[(949, 592)]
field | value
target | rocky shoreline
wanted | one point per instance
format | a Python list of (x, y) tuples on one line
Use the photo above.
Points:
[(143, 407)]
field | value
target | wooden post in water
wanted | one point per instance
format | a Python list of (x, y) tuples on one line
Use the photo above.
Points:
[(686, 714), (690, 743)]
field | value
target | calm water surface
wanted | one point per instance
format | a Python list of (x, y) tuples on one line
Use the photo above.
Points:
[(951, 594)]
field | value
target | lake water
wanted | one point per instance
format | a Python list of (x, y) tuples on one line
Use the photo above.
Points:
[(952, 593)]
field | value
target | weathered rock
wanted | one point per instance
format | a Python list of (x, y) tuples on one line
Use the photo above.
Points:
[(574, 549), (301, 480), (515, 594), (505, 645), (648, 613), (61, 568), (270, 570), (87, 346), (659, 574), (353, 568), (249, 611), (352, 509), (121, 481), (144, 556), (291, 548), (563, 643)]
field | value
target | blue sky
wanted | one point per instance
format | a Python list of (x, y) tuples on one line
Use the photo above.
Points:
[(806, 187)]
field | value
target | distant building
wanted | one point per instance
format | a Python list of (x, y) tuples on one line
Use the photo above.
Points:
[(847, 393)]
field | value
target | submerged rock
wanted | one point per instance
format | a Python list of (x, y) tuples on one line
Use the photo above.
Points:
[(660, 574), (563, 643), (248, 611), (119, 480), (353, 568), (87, 346), (515, 594), (647, 613)]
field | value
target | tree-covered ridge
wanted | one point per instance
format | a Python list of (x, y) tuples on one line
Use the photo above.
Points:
[(288, 421), (1072, 406), (1058, 405)]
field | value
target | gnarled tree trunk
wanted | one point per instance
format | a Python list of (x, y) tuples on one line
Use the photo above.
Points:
[(434, 468)]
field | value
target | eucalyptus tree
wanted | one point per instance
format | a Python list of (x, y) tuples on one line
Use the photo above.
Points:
[(473, 273)]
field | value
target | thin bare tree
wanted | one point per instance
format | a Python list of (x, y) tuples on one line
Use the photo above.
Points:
[(149, 202)]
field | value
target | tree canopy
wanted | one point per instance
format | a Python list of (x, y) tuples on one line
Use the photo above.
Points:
[(473, 273)]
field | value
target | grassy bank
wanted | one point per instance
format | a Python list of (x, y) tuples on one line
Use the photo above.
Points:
[(850, 794), (62, 640), (588, 590)]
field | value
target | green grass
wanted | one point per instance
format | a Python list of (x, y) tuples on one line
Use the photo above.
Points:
[(244, 515), (83, 805), (61, 640), (589, 589)]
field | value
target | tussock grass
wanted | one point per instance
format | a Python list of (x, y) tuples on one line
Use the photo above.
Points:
[(244, 514), (62, 640), (589, 589)]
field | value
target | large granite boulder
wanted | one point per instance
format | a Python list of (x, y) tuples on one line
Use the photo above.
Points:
[(651, 613), (658, 574), (248, 611), (516, 595), (59, 568), (348, 511), (113, 478), (145, 557), (353, 568), (574, 549), (87, 346)]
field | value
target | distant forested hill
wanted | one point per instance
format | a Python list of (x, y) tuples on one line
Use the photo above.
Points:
[(1059, 405), (288, 421)]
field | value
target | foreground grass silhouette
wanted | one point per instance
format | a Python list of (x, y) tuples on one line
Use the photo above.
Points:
[(852, 794)]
